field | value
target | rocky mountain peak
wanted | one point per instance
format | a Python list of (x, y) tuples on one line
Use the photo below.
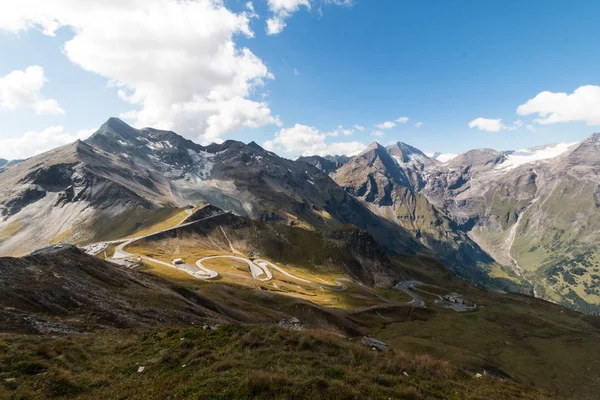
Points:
[(478, 158), (116, 129), (586, 153), (373, 146), (405, 153), (3, 162), (255, 146), (374, 152)]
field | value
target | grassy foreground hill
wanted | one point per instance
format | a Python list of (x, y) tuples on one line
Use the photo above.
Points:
[(230, 362), (75, 326), (516, 336)]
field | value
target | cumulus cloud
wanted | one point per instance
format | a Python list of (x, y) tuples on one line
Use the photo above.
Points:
[(418, 124), (307, 140), (377, 133), (485, 124), (359, 128), (582, 105), (176, 62), (22, 89), (281, 10), (402, 120), (32, 143), (493, 125), (386, 125)]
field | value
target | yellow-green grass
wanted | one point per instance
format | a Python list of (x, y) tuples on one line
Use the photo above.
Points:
[(174, 218), (511, 333), (10, 230), (108, 252), (497, 271), (558, 239), (138, 222), (558, 290), (231, 362), (62, 237), (237, 272)]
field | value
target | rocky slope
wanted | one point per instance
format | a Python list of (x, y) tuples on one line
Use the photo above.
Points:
[(122, 175), (533, 211), (389, 181), (327, 164), (539, 217), (67, 291), (508, 220)]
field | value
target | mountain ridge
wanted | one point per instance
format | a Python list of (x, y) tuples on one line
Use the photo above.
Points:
[(159, 169), (480, 217)]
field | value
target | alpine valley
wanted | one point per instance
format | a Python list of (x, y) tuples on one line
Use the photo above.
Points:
[(522, 221), (220, 259)]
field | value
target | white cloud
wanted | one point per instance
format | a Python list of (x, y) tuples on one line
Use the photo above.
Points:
[(402, 120), (516, 125), (581, 105), (340, 131), (32, 143), (377, 133), (442, 157), (281, 10), (359, 128), (485, 124), (493, 125), (306, 140), (22, 89), (418, 124), (48, 107), (386, 125), (296, 72), (175, 61), (530, 128), (275, 25)]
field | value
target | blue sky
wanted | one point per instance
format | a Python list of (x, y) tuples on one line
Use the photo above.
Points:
[(441, 63)]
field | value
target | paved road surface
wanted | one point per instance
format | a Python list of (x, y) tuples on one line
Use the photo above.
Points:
[(405, 287)]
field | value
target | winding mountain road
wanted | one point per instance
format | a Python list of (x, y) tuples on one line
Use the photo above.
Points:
[(259, 269), (405, 287)]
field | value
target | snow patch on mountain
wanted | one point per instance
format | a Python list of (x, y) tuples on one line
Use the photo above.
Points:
[(204, 163), (526, 156), (413, 160)]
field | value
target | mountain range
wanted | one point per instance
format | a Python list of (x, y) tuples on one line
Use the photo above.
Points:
[(510, 221), (534, 211)]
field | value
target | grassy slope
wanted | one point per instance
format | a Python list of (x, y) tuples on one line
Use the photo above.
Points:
[(514, 334), (563, 251), (232, 362), (510, 333), (136, 223), (556, 237), (236, 275), (535, 342)]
